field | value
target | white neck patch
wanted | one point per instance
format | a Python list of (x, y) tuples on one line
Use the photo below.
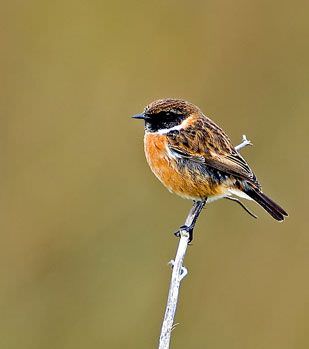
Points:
[(163, 131)]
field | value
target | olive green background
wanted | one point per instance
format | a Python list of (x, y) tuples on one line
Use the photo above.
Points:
[(87, 230)]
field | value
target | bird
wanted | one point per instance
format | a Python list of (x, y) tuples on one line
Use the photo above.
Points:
[(193, 157)]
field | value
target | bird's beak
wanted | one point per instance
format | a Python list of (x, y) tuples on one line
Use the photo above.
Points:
[(139, 116)]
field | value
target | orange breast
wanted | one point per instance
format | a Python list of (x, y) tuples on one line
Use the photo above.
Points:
[(178, 179)]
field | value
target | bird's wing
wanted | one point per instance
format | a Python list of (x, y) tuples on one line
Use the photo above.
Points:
[(205, 142)]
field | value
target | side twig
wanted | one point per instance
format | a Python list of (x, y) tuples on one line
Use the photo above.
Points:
[(243, 144), (179, 271)]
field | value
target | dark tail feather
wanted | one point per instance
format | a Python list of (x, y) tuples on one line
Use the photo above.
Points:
[(268, 204)]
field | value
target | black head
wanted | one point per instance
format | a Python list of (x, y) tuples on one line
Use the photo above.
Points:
[(165, 113)]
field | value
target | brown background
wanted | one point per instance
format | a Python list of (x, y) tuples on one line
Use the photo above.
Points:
[(87, 229)]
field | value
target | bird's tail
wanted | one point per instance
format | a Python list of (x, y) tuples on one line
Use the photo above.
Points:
[(268, 204)]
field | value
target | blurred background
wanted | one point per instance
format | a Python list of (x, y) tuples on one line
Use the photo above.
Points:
[(87, 230)]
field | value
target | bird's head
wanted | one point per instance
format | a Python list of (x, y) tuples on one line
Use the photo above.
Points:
[(165, 114)]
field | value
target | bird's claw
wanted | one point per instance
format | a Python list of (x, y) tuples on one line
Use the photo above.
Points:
[(187, 229)]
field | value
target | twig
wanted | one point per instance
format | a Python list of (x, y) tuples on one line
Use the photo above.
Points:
[(242, 205), (243, 144), (179, 271)]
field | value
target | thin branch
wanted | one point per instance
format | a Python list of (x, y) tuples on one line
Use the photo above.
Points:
[(179, 271), (242, 205)]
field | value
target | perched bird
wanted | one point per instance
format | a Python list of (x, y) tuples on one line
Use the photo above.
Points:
[(194, 158)]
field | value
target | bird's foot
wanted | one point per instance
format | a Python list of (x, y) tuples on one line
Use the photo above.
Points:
[(187, 229)]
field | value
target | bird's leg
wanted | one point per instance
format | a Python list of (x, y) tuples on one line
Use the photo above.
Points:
[(243, 144), (191, 220)]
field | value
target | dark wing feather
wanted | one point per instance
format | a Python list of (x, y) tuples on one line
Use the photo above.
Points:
[(206, 142)]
